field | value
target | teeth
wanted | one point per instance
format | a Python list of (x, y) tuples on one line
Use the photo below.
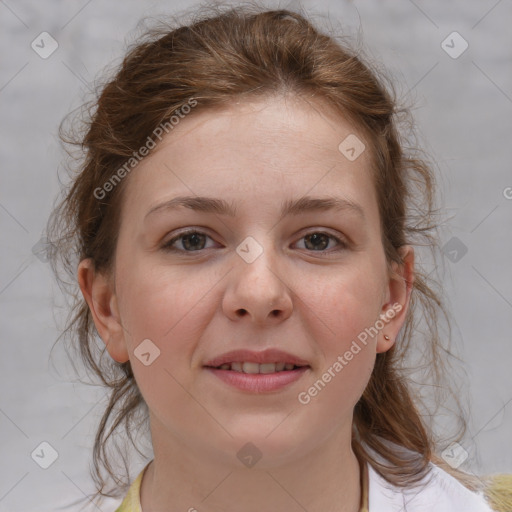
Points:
[(248, 367), (251, 368), (236, 366), (267, 368)]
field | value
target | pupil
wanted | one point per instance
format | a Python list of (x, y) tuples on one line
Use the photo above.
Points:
[(190, 241), (315, 238)]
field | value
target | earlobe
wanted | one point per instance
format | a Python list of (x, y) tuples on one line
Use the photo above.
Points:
[(102, 301), (400, 286)]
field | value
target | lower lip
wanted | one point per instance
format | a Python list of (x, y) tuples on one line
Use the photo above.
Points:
[(259, 382)]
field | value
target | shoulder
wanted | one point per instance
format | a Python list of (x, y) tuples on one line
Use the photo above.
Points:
[(438, 491)]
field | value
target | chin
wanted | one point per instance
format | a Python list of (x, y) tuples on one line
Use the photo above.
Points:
[(256, 448)]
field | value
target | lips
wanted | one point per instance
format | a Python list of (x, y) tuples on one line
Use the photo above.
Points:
[(238, 360), (253, 368)]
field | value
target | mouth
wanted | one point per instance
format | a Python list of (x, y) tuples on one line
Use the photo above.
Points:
[(271, 370), (254, 368)]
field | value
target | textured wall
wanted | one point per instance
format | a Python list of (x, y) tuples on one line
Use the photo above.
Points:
[(463, 112)]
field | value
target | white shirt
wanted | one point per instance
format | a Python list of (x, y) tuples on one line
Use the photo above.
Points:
[(437, 492)]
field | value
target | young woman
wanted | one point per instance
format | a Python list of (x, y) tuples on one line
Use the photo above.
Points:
[(245, 220)]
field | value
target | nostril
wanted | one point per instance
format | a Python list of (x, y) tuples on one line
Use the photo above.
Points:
[(244, 312)]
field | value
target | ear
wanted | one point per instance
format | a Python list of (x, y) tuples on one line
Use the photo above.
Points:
[(398, 295), (99, 293)]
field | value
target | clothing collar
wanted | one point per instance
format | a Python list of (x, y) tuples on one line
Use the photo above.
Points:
[(131, 502)]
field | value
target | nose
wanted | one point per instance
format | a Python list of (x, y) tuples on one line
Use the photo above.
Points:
[(258, 292)]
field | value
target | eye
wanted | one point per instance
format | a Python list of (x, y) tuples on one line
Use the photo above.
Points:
[(319, 241), (190, 241), (194, 240)]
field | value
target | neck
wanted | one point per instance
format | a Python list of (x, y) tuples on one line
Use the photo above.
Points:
[(326, 479)]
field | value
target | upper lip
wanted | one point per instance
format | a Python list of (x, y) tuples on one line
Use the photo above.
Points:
[(270, 355)]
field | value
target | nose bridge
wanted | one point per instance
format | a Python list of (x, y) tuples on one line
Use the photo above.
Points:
[(259, 262)]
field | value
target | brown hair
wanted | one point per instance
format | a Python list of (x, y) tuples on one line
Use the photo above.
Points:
[(243, 53)]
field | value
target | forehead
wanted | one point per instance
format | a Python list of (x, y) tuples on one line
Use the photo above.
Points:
[(258, 151)]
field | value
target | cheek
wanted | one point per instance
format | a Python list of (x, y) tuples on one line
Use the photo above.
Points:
[(339, 316), (345, 304), (164, 305), (171, 309)]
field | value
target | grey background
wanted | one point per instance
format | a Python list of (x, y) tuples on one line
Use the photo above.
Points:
[(463, 111)]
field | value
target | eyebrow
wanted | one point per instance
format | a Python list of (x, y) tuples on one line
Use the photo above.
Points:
[(290, 207)]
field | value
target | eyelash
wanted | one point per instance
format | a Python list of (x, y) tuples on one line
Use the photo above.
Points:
[(168, 246)]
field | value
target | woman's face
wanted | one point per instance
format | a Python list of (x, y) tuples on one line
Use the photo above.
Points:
[(272, 266)]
